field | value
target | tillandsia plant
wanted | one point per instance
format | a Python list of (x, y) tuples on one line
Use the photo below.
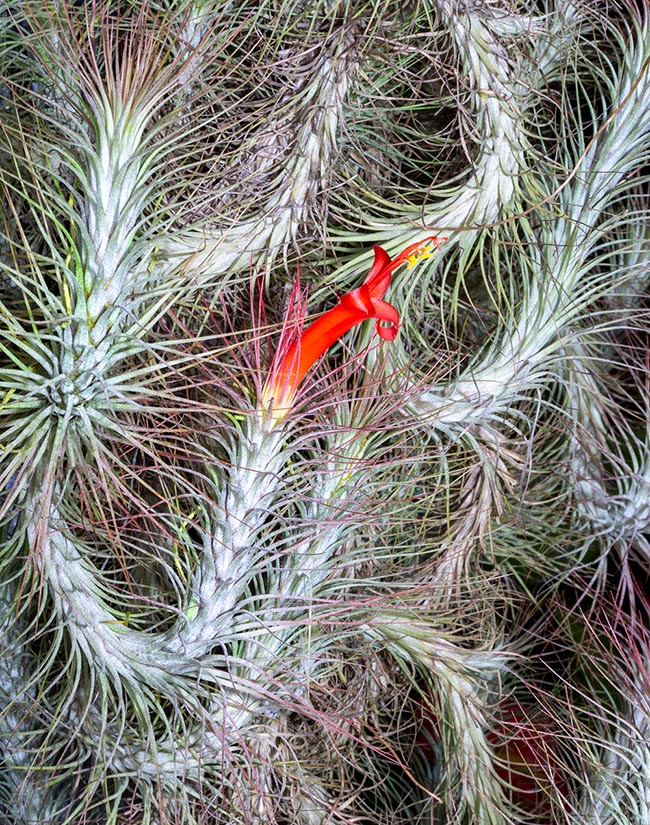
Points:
[(368, 547)]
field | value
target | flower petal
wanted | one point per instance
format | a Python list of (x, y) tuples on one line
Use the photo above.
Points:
[(385, 313), (378, 279), (358, 300)]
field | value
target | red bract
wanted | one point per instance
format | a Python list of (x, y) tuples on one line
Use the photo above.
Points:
[(359, 305)]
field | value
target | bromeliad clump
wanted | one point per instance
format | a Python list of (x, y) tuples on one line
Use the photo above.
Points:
[(360, 304), (206, 619)]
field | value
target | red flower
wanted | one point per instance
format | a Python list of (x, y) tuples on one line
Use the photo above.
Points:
[(360, 304)]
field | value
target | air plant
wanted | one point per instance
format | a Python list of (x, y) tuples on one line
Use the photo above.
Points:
[(254, 568)]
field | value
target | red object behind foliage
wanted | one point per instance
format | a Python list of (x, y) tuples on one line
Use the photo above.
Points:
[(526, 759), (525, 752)]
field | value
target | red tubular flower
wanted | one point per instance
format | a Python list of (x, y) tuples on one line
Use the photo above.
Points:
[(360, 304)]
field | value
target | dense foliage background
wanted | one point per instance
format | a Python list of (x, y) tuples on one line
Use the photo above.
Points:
[(419, 597)]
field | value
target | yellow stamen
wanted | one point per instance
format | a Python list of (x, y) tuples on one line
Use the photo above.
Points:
[(421, 255)]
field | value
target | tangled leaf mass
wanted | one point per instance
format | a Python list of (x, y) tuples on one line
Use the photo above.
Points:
[(387, 582)]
